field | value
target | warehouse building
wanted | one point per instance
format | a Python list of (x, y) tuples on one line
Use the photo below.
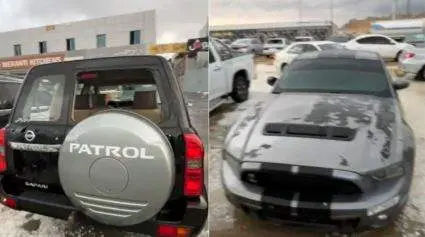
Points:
[(319, 30), (128, 34)]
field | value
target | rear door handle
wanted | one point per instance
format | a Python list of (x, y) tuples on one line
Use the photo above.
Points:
[(217, 68)]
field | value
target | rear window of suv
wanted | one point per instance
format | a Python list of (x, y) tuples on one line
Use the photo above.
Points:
[(46, 98), (133, 90), (8, 91)]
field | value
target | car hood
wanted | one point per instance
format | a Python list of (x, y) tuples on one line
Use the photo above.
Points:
[(376, 121)]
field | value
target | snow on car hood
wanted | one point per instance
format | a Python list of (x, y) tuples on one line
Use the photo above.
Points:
[(377, 141)]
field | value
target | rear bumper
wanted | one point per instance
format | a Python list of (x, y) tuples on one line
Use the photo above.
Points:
[(58, 206), (410, 67), (342, 216)]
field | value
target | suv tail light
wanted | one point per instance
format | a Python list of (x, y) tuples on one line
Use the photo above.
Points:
[(172, 231), (194, 170), (409, 55), (3, 164)]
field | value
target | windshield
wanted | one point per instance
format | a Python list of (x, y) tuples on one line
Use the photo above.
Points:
[(339, 39), (335, 75), (242, 41)]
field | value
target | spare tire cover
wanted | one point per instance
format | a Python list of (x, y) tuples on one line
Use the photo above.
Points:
[(117, 167)]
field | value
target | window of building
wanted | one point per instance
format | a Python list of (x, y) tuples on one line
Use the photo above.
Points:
[(101, 40), (42, 47), (135, 37), (17, 49), (70, 44)]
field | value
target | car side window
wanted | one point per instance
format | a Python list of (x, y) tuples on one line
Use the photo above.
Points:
[(368, 40), (382, 40), (222, 50), (8, 91), (309, 48), (296, 49)]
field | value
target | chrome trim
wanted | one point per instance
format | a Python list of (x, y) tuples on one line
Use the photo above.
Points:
[(35, 147)]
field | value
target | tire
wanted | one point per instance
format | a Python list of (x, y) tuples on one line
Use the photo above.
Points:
[(282, 67), (240, 92), (109, 183), (421, 75), (397, 56)]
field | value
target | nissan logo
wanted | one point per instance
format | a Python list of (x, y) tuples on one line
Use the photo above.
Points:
[(29, 136)]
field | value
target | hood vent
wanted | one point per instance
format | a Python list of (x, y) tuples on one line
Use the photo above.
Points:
[(310, 131)]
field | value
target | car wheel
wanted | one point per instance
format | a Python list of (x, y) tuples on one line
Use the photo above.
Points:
[(421, 74), (282, 68), (397, 57), (240, 90)]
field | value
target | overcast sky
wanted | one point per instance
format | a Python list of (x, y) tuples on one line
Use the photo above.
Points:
[(177, 20), (256, 11)]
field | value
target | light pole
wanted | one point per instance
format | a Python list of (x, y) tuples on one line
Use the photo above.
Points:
[(394, 10), (332, 16), (300, 10)]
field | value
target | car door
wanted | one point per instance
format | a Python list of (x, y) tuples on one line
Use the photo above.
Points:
[(218, 58), (386, 47), (368, 43)]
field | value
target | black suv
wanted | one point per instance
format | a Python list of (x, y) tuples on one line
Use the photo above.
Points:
[(109, 139), (9, 87)]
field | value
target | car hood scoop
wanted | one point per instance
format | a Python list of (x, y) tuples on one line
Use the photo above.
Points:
[(310, 131)]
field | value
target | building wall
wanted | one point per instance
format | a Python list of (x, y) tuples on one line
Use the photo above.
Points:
[(116, 28)]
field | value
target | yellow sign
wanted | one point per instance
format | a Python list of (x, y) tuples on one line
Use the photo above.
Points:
[(167, 48)]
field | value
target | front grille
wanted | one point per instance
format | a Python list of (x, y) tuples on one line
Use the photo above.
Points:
[(308, 185)]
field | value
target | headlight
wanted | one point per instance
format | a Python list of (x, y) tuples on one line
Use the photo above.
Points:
[(389, 172), (383, 206)]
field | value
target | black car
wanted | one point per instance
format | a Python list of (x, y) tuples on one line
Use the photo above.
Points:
[(9, 87), (108, 141), (330, 148)]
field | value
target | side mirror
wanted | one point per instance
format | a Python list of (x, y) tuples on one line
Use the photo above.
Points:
[(400, 84), (271, 81)]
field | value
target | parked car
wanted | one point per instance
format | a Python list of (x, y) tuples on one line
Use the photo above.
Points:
[(226, 41), (131, 163), (230, 74), (9, 87), (303, 38), (412, 62), (330, 148), (387, 47), (274, 45), (284, 57), (248, 45), (342, 38), (417, 40)]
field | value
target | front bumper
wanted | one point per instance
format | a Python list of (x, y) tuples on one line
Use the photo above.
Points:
[(342, 216), (58, 206), (410, 68)]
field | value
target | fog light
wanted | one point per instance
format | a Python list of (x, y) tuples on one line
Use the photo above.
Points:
[(383, 206), (9, 202), (382, 217)]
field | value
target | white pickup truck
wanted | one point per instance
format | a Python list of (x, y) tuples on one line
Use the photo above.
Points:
[(230, 74)]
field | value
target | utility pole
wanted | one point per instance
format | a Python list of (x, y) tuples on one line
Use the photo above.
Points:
[(332, 15), (408, 7), (300, 10), (394, 10)]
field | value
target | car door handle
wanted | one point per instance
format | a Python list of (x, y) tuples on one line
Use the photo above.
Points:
[(217, 68)]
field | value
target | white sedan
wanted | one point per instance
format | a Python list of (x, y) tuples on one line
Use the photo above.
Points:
[(288, 54), (387, 47)]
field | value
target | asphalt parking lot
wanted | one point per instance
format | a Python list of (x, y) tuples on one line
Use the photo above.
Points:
[(226, 221), (25, 224)]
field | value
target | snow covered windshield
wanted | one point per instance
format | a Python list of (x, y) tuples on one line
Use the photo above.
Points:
[(335, 75)]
